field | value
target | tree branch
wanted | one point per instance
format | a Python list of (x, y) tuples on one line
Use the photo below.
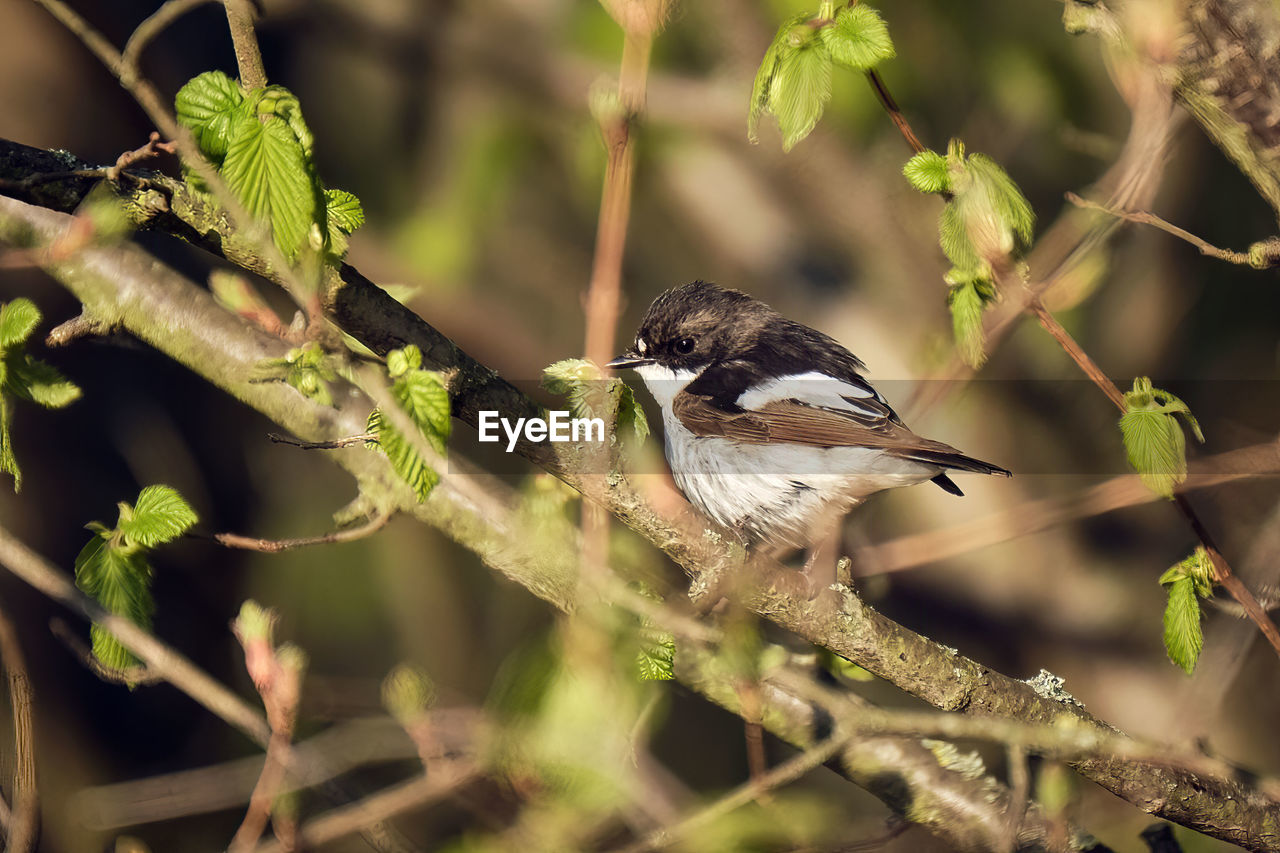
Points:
[(183, 321), (24, 823)]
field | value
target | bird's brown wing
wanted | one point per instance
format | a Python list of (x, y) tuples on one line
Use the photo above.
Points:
[(793, 422)]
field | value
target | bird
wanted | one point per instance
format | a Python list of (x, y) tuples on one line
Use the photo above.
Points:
[(771, 428)]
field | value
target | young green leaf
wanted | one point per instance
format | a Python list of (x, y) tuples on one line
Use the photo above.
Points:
[(405, 460), (343, 210), (40, 383), (211, 104), (657, 655), (967, 304), (269, 172), (407, 693), (24, 377), (1153, 439), (120, 580), (1198, 566), (591, 395), (763, 85), (1183, 638), (425, 399), (8, 462), (858, 38), (18, 319), (631, 417), (927, 172), (953, 237), (800, 89), (161, 514), (1156, 449), (1011, 205)]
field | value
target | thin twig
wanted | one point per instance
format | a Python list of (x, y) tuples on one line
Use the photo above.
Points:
[(279, 681), (130, 676), (160, 658), (784, 773), (158, 111), (1119, 492), (895, 114), (153, 147), (335, 444), (275, 546), (1143, 217), (1019, 789), (1073, 349), (1225, 576), (1222, 569), (395, 800), (160, 20), (24, 825), (240, 15)]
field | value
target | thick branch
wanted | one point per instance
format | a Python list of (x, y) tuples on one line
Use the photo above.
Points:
[(146, 300)]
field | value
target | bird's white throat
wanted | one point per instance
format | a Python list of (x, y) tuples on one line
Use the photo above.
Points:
[(664, 383)]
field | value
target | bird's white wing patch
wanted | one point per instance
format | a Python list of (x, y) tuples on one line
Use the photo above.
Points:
[(815, 388)]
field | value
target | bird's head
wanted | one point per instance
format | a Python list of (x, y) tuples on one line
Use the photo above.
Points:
[(690, 327)]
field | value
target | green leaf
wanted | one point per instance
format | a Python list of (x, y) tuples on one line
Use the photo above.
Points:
[(1156, 449), (159, 515), (953, 237), (1153, 439), (1198, 566), (1011, 205), (657, 655), (8, 462), (280, 102), (631, 417), (425, 399), (211, 105), (41, 383), (800, 89), (1183, 638), (927, 171), (405, 460), (407, 693), (18, 319), (763, 84), (119, 580), (268, 170), (591, 395), (967, 305), (858, 38), (343, 210), (987, 214)]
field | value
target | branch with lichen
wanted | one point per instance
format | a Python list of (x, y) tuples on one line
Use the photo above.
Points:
[(125, 287)]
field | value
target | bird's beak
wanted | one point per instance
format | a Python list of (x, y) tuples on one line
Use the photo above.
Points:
[(629, 359)]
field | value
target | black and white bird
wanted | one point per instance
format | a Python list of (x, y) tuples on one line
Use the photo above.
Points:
[(771, 428)]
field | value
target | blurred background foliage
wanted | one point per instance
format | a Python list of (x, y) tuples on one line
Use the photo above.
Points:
[(464, 129)]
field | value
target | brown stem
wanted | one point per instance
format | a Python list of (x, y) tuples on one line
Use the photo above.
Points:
[(334, 444), (24, 826), (604, 293), (248, 56), (895, 114), (1078, 355), (1142, 217), (1228, 578), (275, 546), (131, 676), (1221, 568)]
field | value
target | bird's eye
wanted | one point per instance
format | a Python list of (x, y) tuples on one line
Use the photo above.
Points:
[(684, 346)]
